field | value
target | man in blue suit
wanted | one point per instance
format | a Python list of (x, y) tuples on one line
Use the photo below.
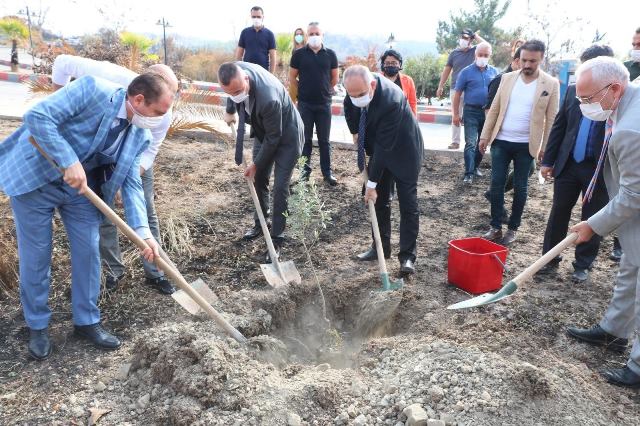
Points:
[(96, 131)]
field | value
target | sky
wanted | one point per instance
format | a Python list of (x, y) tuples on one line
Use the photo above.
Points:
[(407, 19)]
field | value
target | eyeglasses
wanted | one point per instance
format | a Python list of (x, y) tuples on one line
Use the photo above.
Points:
[(589, 99)]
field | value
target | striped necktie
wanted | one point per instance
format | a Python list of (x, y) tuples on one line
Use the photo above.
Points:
[(361, 129), (603, 154)]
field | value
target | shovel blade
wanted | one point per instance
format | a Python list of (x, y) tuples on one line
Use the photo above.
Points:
[(188, 303), (488, 298), (388, 285), (275, 280)]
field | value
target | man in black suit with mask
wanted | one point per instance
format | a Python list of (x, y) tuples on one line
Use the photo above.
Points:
[(571, 157), (278, 136), (384, 126)]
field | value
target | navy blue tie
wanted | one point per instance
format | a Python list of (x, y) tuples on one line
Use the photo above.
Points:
[(361, 129), (240, 132), (114, 132)]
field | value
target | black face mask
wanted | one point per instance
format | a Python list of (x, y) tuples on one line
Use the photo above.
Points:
[(391, 71)]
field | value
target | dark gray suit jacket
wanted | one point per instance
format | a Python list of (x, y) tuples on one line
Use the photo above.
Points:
[(274, 120), (393, 139)]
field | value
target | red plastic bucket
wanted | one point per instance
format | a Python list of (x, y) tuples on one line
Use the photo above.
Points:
[(473, 265)]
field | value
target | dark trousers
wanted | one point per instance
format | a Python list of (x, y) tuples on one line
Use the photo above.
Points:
[(283, 163), (567, 187), (502, 154), (409, 215), (473, 123), (318, 115)]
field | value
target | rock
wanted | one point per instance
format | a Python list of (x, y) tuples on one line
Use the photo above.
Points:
[(73, 399), (143, 401), (436, 393), (485, 396), (361, 420), (432, 305), (293, 419), (323, 367), (459, 406), (434, 422), (352, 411), (466, 369), (448, 419), (416, 415), (77, 411), (123, 372), (99, 387), (9, 396), (624, 400)]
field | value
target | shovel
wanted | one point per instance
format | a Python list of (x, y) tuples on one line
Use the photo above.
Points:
[(387, 284), (512, 285), (277, 273), (160, 261)]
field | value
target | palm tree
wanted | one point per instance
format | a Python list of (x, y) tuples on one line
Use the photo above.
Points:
[(138, 45), (284, 48), (17, 31)]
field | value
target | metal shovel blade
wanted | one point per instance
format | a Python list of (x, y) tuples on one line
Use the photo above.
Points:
[(188, 303), (488, 298), (388, 285), (289, 274)]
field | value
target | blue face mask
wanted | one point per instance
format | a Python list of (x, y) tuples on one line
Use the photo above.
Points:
[(299, 38)]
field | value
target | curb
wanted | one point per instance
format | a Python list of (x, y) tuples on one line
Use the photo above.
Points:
[(428, 153), (217, 96)]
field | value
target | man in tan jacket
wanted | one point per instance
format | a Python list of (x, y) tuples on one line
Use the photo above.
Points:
[(517, 128)]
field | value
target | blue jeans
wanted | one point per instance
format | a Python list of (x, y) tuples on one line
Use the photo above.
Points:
[(320, 116), (33, 214), (473, 123), (502, 153)]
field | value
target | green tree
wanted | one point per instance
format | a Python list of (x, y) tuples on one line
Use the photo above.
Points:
[(138, 45), (425, 71), (284, 49), (17, 32), (483, 19)]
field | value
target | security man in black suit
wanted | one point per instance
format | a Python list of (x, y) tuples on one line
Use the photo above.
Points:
[(383, 125), (571, 157)]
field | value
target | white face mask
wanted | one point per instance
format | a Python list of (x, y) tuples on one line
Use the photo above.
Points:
[(463, 43), (482, 62), (145, 122), (315, 41), (362, 101), (240, 98), (257, 22), (595, 112), (635, 55)]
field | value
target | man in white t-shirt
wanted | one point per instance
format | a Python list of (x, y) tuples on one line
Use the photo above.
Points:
[(66, 67), (517, 128)]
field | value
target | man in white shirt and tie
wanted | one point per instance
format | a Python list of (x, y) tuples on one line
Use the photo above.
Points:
[(66, 67)]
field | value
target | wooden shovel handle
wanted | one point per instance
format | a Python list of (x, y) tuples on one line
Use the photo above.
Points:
[(382, 264), (546, 258), (174, 274)]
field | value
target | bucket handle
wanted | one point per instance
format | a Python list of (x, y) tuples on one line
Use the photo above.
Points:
[(504, 266)]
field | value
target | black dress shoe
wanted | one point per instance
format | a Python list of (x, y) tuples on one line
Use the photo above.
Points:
[(616, 254), (622, 377), (39, 344), (580, 275), (407, 267), (597, 336), (487, 195), (252, 233), (97, 335), (111, 282), (161, 284), (331, 180), (370, 255)]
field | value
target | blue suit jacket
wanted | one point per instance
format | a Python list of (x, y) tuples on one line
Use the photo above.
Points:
[(70, 126)]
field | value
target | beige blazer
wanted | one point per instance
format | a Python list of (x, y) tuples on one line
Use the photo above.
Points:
[(544, 111)]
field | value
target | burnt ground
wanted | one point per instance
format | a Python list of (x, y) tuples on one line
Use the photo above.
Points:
[(517, 349)]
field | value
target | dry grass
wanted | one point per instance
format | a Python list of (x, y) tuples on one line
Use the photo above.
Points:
[(39, 86), (8, 265), (176, 236)]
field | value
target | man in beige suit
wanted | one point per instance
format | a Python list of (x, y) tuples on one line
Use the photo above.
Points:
[(605, 94), (517, 128)]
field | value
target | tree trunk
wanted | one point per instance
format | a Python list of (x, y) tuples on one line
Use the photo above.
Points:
[(14, 55)]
